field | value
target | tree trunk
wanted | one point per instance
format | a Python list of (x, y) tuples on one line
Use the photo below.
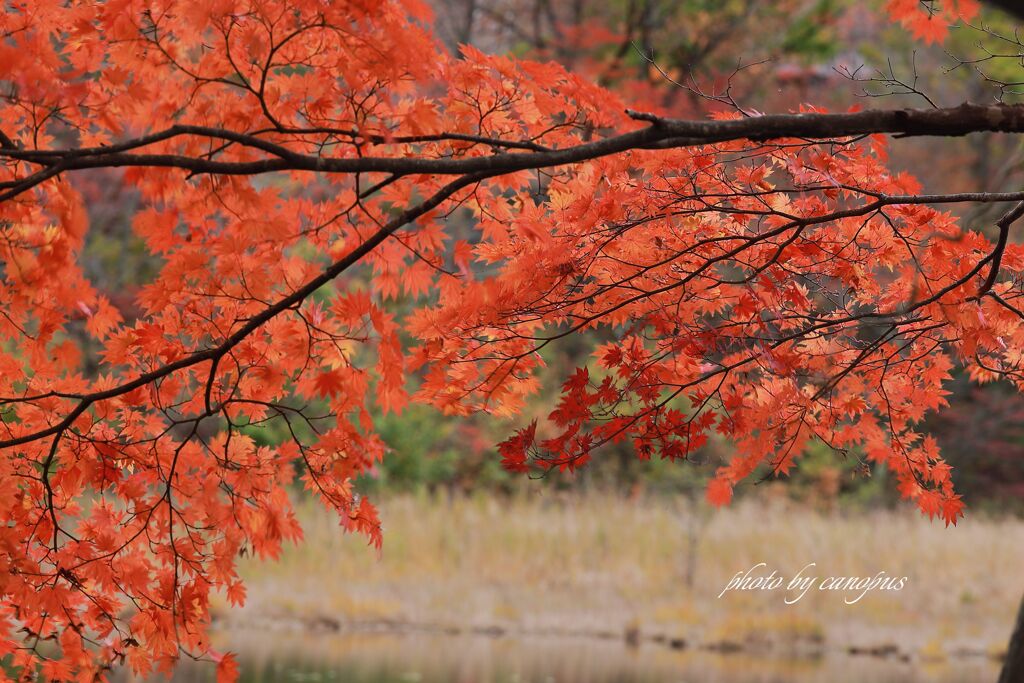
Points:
[(1013, 667)]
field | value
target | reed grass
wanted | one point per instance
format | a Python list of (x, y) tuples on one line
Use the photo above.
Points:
[(606, 564)]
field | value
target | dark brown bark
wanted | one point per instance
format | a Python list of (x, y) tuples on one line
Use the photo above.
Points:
[(662, 133), (1013, 667)]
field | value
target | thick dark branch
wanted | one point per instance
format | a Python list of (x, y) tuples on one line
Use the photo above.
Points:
[(663, 132)]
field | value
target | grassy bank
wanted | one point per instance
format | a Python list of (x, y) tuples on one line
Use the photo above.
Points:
[(651, 569)]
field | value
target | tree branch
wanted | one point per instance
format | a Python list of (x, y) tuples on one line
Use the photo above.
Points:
[(217, 352), (662, 133)]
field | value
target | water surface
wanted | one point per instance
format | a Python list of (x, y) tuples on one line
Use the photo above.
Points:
[(444, 658)]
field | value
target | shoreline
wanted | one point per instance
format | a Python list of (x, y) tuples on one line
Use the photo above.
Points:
[(810, 649)]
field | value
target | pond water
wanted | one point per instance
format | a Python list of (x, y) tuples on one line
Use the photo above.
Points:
[(442, 658)]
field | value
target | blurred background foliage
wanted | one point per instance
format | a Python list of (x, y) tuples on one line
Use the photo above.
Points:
[(680, 58)]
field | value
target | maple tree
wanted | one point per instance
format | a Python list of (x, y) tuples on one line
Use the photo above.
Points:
[(764, 277)]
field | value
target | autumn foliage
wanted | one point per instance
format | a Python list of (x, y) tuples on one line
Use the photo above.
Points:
[(930, 20), (307, 172)]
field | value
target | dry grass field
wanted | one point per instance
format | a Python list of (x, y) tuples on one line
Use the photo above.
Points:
[(650, 570)]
